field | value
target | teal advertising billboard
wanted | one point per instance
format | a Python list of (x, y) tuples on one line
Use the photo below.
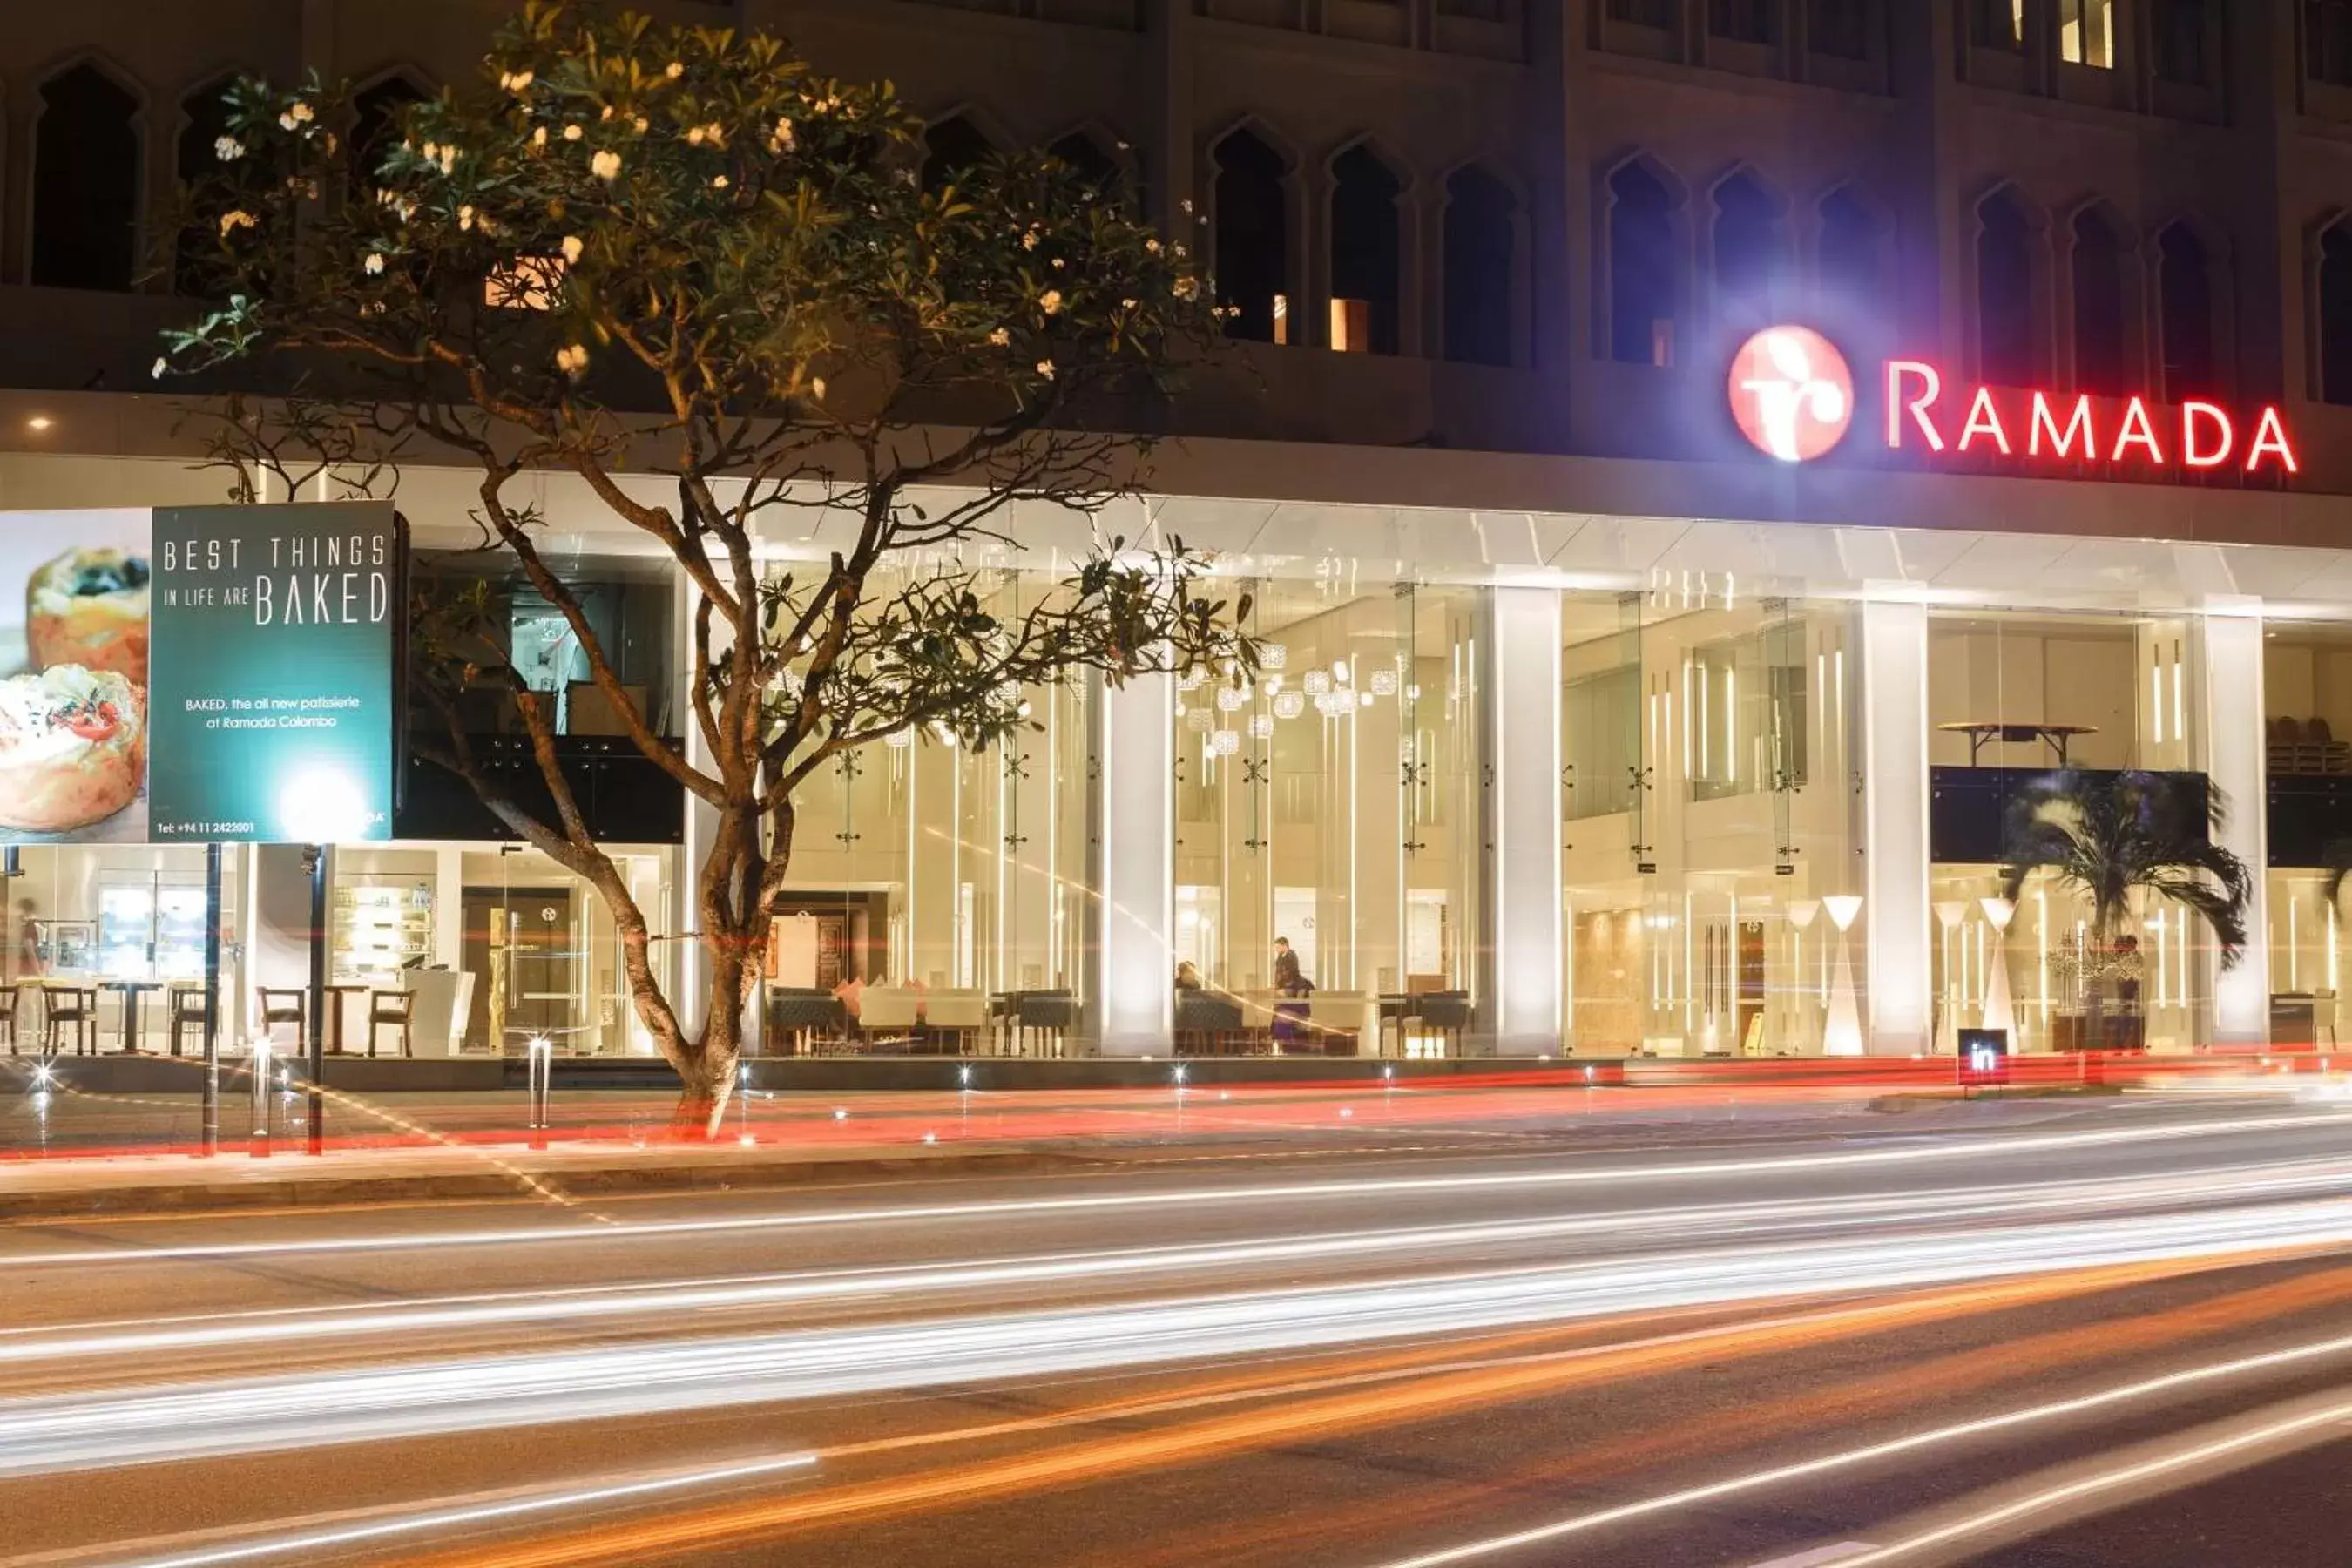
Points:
[(190, 674)]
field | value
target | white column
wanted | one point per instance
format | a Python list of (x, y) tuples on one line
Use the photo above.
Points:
[(1136, 801), (2235, 756), (1895, 826), (701, 829), (1525, 744)]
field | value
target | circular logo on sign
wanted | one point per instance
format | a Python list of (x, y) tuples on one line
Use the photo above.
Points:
[(1791, 394)]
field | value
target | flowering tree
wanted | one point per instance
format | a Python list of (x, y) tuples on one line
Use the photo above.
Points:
[(635, 250)]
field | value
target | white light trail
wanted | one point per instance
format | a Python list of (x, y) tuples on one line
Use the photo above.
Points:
[(1413, 1186), (107, 1427), (287, 1325), (1935, 1436), (326, 1538)]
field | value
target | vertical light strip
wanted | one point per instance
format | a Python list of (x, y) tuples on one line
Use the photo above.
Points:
[(1139, 860)]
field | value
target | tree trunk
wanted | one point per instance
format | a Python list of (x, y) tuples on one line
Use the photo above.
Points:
[(706, 1084)]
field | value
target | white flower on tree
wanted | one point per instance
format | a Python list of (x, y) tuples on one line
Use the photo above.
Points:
[(373, 265), (228, 149), (606, 165)]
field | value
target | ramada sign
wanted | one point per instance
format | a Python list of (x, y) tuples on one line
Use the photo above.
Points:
[(1792, 396)]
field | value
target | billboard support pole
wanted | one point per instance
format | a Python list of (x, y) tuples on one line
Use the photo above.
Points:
[(212, 998), (314, 857)]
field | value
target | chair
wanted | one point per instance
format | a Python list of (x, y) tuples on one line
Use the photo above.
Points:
[(186, 1011), (2323, 1017), (960, 1015), (391, 1009), (1335, 1020), (1206, 1023), (1051, 1016), (283, 1006), (798, 1013), (1447, 1014), (888, 1013), (67, 1008), (9, 999)]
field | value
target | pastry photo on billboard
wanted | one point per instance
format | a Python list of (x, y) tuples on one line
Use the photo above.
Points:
[(73, 676)]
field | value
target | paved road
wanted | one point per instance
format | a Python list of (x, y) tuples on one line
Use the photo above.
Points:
[(2111, 1333)]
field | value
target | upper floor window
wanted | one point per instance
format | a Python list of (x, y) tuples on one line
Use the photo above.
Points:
[(951, 147), (2185, 302), (2099, 293), (1481, 243), (2327, 41), (2086, 33), (1840, 28), (2335, 324), (1996, 23), (376, 116), (2005, 346), (1366, 253), (1752, 253), (1098, 169), (1848, 253), (85, 182), (1253, 237), (1744, 21), (1643, 269), (2179, 28), (205, 112), (1647, 13)]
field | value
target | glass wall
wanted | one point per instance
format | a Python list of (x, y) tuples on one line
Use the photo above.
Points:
[(1335, 803), (2030, 712), (924, 862), (1708, 839), (2307, 714)]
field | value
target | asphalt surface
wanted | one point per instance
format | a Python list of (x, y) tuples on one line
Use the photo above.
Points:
[(2110, 1332)]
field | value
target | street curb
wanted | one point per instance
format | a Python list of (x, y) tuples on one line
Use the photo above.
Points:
[(327, 1190)]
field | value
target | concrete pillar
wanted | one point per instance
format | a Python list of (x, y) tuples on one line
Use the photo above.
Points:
[(1131, 1003), (2235, 756), (1524, 746), (1895, 919)]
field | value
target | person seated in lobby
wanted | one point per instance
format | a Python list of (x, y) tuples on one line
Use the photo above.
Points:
[(1187, 976)]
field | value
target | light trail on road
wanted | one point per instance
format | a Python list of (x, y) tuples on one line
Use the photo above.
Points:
[(1420, 1185), (43, 1434), (291, 1325)]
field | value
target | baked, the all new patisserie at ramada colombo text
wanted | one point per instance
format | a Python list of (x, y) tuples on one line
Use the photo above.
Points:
[(89, 608), (73, 747)]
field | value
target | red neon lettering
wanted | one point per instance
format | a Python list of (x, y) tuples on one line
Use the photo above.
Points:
[(2270, 436), (2061, 443), (1984, 419), (2137, 432), (2191, 416), (1898, 371)]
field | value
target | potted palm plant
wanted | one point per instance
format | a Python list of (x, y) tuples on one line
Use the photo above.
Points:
[(2113, 835)]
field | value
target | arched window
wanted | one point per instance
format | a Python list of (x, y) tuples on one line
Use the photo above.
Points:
[(1253, 239), (375, 123), (1751, 252), (2098, 296), (1481, 238), (1643, 274), (1087, 159), (2185, 314), (1849, 263), (950, 147), (1365, 253), (202, 174), (2005, 347), (2336, 316), (86, 182)]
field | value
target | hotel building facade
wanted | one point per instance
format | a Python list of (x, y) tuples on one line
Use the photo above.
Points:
[(1696, 462)]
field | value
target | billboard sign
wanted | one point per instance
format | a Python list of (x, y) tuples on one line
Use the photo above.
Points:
[(194, 674)]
